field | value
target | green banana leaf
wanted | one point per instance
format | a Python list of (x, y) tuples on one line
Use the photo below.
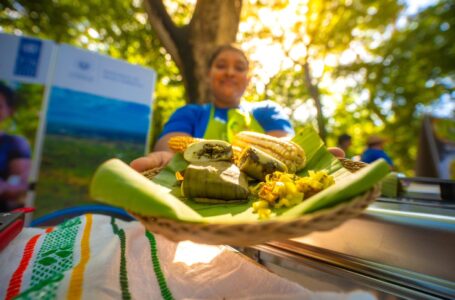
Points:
[(391, 185), (117, 184)]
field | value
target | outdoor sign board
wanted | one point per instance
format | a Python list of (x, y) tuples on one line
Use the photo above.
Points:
[(92, 108), (99, 108), (436, 156)]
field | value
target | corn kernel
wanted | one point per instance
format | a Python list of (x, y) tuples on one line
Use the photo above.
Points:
[(257, 205)]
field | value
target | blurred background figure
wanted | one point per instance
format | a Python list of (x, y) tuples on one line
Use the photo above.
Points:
[(375, 150), (344, 142), (15, 158)]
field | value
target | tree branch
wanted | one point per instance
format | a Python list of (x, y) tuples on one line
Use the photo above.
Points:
[(168, 33), (314, 93)]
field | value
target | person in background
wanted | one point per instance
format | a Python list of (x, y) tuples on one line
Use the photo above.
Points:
[(227, 115), (375, 150), (15, 157), (344, 142)]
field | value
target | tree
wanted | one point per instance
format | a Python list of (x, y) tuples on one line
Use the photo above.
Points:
[(213, 23), (409, 72), (315, 31)]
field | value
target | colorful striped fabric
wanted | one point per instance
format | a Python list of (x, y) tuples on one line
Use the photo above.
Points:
[(99, 257)]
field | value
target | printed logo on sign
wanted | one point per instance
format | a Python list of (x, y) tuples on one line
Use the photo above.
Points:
[(82, 70), (83, 65), (28, 56)]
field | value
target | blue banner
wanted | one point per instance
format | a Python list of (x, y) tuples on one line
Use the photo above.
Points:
[(28, 56)]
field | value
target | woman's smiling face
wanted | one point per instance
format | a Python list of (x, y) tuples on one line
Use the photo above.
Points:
[(228, 76)]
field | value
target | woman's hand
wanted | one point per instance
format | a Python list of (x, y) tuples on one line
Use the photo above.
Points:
[(161, 155), (157, 159)]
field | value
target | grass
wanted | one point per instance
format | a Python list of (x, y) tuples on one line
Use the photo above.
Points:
[(67, 166)]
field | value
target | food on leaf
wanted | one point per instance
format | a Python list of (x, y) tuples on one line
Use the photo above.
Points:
[(208, 150), (288, 152), (257, 164), (181, 142), (215, 182), (285, 190)]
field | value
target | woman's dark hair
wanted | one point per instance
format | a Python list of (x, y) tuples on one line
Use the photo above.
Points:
[(222, 48), (8, 93)]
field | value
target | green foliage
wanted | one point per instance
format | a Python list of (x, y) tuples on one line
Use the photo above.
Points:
[(167, 99), (411, 70), (313, 33), (117, 28), (25, 120)]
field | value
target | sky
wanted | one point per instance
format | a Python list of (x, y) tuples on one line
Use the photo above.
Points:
[(415, 5)]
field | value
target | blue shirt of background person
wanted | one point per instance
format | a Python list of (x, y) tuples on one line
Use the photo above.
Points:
[(375, 151), (370, 155)]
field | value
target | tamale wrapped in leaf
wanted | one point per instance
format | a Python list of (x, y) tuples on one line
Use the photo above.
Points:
[(215, 182)]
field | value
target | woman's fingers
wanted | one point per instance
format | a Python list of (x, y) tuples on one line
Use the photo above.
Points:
[(143, 163), (151, 161)]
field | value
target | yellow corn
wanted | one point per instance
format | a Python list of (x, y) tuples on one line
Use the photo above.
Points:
[(181, 142), (291, 154), (236, 151)]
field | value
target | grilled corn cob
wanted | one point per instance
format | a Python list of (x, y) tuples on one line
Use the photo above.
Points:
[(291, 154), (208, 150), (236, 152), (181, 142)]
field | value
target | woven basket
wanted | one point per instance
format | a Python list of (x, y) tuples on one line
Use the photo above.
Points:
[(352, 165), (244, 234)]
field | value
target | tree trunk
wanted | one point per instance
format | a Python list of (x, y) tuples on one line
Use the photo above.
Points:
[(214, 22), (314, 93)]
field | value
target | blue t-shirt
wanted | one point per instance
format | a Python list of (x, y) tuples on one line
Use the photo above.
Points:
[(193, 118), (370, 155), (11, 147)]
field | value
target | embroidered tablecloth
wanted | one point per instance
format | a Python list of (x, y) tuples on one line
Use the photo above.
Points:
[(99, 257)]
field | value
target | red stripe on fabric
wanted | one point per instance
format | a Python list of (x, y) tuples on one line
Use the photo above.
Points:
[(49, 229), (16, 280)]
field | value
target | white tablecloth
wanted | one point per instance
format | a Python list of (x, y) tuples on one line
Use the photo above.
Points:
[(98, 257)]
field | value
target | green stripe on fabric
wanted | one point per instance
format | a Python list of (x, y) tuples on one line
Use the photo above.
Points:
[(46, 290), (54, 257), (123, 277), (165, 292)]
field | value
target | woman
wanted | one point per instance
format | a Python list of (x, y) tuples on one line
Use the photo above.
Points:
[(14, 158), (228, 76)]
